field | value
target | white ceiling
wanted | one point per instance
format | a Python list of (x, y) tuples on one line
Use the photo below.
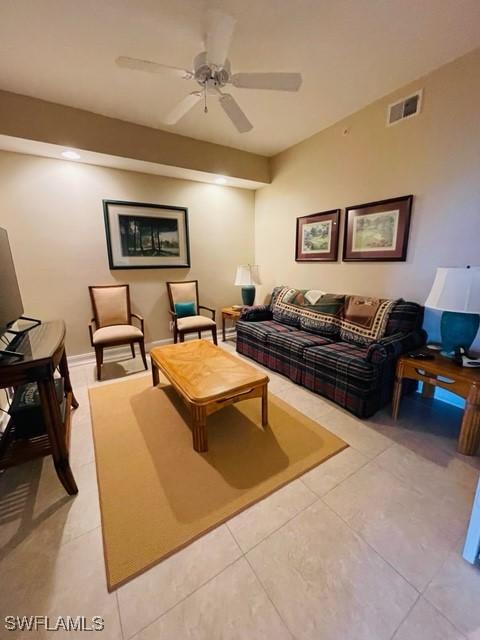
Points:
[(350, 53)]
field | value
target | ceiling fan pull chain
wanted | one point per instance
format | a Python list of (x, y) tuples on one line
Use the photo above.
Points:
[(205, 108)]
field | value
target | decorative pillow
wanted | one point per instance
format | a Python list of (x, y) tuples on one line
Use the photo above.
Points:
[(365, 319), (184, 309)]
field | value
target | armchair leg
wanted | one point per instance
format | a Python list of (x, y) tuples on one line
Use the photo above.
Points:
[(141, 344), (132, 347), (214, 335), (199, 335), (99, 359), (182, 337), (175, 336)]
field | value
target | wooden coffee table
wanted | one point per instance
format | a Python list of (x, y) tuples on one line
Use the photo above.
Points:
[(208, 379)]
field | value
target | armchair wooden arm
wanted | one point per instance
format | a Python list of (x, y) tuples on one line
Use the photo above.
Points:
[(174, 316), (91, 329), (212, 311), (140, 319)]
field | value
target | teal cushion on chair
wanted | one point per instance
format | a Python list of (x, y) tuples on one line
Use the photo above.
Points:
[(184, 309)]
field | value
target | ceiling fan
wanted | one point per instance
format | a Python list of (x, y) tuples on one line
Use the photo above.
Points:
[(211, 70)]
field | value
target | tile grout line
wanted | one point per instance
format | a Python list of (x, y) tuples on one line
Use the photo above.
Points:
[(227, 566), (364, 464), (392, 637), (119, 616), (371, 548), (270, 599), (454, 481), (268, 535), (443, 615), (425, 596)]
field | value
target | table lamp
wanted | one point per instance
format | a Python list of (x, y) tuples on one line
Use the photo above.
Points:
[(456, 292), (247, 277)]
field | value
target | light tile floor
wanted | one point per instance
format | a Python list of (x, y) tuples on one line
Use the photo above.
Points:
[(367, 546)]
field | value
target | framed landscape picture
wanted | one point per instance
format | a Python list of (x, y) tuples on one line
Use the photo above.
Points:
[(317, 237), (146, 236), (377, 230)]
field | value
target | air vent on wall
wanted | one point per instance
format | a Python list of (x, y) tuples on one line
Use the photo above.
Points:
[(405, 108)]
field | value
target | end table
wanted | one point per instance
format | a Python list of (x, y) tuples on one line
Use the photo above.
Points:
[(232, 313), (443, 372)]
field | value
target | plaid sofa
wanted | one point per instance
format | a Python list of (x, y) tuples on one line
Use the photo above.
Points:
[(358, 377)]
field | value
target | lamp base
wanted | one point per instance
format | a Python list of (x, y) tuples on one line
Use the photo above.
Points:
[(248, 295), (458, 330)]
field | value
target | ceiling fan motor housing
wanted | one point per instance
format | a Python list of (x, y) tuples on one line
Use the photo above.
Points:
[(208, 74)]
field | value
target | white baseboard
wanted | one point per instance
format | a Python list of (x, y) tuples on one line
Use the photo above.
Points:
[(117, 353)]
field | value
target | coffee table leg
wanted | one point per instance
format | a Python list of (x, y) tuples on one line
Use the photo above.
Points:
[(265, 406), (155, 376), (199, 429)]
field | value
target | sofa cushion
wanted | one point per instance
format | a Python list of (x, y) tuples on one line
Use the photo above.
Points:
[(364, 319), (342, 359), (252, 337), (259, 331), (285, 351), (340, 372)]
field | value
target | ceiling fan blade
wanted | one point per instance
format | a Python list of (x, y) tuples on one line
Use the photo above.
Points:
[(182, 108), (273, 81), (234, 112), (219, 34), (151, 67)]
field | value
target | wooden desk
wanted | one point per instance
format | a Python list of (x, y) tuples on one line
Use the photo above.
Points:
[(442, 372), (232, 314), (208, 379), (43, 349)]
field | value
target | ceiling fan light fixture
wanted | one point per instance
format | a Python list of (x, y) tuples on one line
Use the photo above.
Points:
[(212, 72)]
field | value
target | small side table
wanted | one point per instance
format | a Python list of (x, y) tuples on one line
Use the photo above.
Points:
[(442, 372), (232, 314)]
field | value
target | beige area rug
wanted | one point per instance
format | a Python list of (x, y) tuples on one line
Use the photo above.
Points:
[(157, 494)]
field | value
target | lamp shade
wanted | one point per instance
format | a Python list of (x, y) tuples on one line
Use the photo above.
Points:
[(456, 289), (247, 275)]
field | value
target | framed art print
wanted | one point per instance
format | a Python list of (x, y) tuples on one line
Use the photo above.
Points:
[(377, 230), (146, 236), (317, 237)]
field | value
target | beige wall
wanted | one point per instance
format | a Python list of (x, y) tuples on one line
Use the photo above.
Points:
[(435, 156), (52, 210), (34, 119)]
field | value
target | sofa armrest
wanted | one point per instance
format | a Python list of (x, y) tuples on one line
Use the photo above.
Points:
[(391, 347), (257, 313)]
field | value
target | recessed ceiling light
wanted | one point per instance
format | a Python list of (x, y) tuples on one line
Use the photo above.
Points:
[(71, 155), (220, 180)]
